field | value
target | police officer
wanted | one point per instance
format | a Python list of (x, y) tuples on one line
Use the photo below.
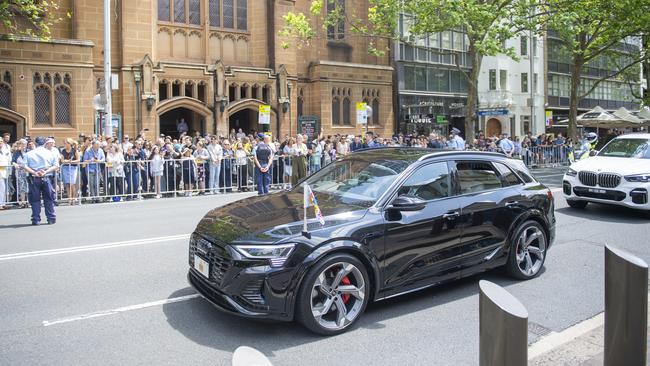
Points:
[(41, 164), (456, 142), (263, 159)]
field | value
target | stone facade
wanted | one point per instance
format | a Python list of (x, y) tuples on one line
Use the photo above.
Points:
[(211, 62)]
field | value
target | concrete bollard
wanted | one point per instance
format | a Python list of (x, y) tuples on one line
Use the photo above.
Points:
[(503, 327), (626, 306), (248, 356)]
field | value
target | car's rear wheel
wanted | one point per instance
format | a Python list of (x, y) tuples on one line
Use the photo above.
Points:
[(577, 204), (333, 295), (527, 251)]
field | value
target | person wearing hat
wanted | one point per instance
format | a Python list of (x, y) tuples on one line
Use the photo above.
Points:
[(456, 142), (506, 145), (41, 165)]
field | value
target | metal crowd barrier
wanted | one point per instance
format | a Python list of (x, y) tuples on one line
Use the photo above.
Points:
[(91, 182), (545, 156)]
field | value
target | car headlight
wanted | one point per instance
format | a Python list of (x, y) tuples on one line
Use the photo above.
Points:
[(571, 173), (276, 254), (639, 178)]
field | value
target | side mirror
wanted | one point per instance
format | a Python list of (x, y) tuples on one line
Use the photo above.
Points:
[(407, 203), (593, 152)]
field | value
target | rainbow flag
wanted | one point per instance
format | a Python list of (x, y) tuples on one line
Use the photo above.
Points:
[(310, 200)]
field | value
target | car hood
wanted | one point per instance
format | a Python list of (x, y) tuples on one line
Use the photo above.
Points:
[(623, 166), (272, 218)]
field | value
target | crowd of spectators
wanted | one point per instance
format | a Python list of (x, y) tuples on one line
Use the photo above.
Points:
[(97, 168)]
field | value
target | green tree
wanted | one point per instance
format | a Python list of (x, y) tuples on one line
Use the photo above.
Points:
[(32, 18), (487, 23), (594, 31)]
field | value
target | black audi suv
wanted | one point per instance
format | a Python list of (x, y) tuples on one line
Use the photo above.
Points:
[(396, 220)]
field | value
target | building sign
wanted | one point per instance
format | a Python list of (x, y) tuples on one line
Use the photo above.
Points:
[(549, 118), (442, 120), (493, 112), (362, 113), (265, 114), (309, 126)]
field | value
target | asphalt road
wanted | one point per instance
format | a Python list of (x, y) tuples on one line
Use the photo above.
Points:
[(129, 303)]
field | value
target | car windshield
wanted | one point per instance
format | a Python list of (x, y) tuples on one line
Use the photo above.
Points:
[(627, 148), (358, 182)]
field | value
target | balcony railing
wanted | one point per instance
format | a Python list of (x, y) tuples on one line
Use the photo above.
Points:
[(495, 99)]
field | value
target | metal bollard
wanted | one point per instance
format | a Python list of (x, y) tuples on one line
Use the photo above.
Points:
[(503, 323), (248, 356), (626, 306)]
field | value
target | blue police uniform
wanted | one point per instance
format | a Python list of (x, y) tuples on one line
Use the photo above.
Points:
[(41, 159), (263, 153)]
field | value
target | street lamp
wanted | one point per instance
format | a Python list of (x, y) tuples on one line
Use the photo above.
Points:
[(151, 99), (285, 105), (223, 103)]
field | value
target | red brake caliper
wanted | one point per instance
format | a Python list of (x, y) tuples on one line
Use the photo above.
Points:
[(346, 297)]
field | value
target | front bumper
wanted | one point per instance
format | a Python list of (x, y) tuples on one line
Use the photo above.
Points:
[(241, 287), (627, 194)]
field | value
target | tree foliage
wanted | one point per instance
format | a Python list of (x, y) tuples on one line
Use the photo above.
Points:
[(595, 30), (32, 18)]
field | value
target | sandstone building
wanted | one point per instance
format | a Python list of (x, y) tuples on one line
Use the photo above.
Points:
[(211, 62)]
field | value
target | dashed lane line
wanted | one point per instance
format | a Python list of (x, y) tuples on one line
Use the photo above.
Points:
[(47, 323), (87, 248)]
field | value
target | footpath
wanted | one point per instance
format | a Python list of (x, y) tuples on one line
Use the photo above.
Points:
[(587, 349)]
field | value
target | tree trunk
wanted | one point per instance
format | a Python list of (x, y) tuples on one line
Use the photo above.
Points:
[(472, 93), (572, 129)]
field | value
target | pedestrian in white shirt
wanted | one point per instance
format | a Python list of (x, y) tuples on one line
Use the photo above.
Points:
[(216, 155)]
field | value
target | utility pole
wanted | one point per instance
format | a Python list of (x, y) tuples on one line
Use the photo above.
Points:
[(108, 130), (531, 78)]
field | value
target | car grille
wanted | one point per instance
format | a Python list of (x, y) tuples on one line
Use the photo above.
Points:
[(219, 263), (607, 180), (588, 178), (603, 194)]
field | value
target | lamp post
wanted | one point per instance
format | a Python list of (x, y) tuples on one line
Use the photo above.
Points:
[(289, 87)]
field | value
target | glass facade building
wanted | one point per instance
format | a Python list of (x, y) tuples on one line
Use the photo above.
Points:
[(431, 88)]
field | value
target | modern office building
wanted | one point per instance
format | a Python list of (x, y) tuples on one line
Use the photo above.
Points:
[(430, 90), (211, 62), (507, 87), (610, 94)]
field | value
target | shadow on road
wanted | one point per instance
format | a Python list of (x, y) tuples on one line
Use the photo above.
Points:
[(606, 213), (14, 226), (200, 322)]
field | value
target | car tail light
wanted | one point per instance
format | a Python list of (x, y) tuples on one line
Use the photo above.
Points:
[(549, 194)]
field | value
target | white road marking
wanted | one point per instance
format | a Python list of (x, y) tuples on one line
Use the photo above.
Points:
[(554, 340), (47, 323), (86, 248), (556, 190)]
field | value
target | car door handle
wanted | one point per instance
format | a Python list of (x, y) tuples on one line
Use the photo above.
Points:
[(512, 203), (450, 215)]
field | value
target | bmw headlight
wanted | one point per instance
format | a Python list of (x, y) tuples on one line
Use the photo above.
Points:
[(571, 173), (638, 178), (276, 254)]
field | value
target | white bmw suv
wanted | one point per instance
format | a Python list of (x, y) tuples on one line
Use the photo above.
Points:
[(619, 174)]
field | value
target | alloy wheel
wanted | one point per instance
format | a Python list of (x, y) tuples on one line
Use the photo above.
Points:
[(531, 247), (337, 296)]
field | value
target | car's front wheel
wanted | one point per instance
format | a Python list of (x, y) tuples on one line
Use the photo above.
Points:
[(577, 204), (527, 251), (333, 295)]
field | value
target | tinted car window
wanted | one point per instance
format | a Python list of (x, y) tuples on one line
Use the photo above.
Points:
[(477, 176), (428, 182), (522, 170), (508, 178), (357, 182)]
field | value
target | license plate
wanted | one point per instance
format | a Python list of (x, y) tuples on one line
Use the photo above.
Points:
[(593, 190), (202, 266)]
